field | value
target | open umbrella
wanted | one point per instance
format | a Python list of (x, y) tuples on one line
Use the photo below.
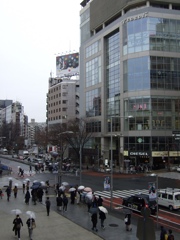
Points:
[(16, 211), (72, 189), (81, 187), (103, 209), (16, 184), (88, 189), (65, 183), (27, 179), (31, 214), (43, 183), (62, 188)]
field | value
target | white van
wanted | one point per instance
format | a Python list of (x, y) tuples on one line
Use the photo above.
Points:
[(169, 197)]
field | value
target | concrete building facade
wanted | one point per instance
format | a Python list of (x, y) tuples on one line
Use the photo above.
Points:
[(130, 79)]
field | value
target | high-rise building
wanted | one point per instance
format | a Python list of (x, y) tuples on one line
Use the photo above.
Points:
[(130, 78)]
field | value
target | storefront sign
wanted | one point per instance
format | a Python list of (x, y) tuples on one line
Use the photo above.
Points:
[(135, 18), (138, 154)]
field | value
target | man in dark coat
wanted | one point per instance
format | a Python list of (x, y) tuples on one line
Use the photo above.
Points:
[(8, 192), (17, 226), (27, 197), (94, 221), (59, 202), (48, 205)]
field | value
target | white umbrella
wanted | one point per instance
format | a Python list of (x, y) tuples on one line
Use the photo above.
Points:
[(10, 178), (89, 195), (103, 209), (16, 211), (27, 179), (72, 189), (31, 214), (35, 181), (87, 189), (62, 188), (43, 183), (16, 184), (81, 187), (65, 183)]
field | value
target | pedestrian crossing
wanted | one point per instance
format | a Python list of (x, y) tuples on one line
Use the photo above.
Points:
[(121, 193)]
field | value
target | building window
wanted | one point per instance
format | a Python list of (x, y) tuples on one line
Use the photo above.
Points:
[(93, 103), (93, 72)]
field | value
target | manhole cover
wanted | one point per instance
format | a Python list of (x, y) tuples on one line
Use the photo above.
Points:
[(113, 225)]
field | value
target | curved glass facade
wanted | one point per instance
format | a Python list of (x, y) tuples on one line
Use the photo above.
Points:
[(159, 34)]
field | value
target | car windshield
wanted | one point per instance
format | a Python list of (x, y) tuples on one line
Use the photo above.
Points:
[(177, 197)]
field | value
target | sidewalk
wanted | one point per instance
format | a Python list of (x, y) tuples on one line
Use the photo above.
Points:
[(73, 224)]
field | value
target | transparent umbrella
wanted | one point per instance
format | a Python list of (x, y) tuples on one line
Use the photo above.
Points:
[(31, 214), (16, 211)]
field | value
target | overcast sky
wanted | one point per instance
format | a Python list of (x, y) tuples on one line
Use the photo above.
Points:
[(32, 32)]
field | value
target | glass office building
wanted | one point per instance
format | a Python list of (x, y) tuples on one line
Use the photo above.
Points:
[(130, 79)]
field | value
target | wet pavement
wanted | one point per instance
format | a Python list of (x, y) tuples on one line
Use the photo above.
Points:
[(73, 224)]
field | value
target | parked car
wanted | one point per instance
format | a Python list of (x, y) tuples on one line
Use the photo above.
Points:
[(138, 201), (178, 169), (14, 155)]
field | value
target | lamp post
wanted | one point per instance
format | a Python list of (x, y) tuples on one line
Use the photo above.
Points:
[(60, 162), (80, 170), (111, 164)]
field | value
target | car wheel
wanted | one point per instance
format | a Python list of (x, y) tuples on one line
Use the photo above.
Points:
[(171, 208)]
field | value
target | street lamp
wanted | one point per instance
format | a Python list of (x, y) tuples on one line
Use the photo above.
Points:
[(111, 165), (60, 162)]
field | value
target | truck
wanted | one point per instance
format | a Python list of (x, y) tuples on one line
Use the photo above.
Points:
[(23, 154)]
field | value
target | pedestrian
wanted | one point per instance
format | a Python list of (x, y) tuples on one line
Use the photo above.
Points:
[(94, 221), (170, 236), (15, 190), (22, 173), (8, 192), (48, 205), (23, 186), (59, 202), (19, 173), (94, 203), (34, 195), (78, 197), (1, 193), (31, 224), (17, 226), (100, 201), (40, 194), (127, 221), (163, 233), (102, 217), (30, 169), (27, 197), (65, 203), (73, 194)]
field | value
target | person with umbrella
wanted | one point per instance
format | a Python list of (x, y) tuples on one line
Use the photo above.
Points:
[(17, 225), (102, 217), (31, 225)]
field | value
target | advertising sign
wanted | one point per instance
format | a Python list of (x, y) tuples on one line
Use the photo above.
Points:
[(66, 64), (152, 190)]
